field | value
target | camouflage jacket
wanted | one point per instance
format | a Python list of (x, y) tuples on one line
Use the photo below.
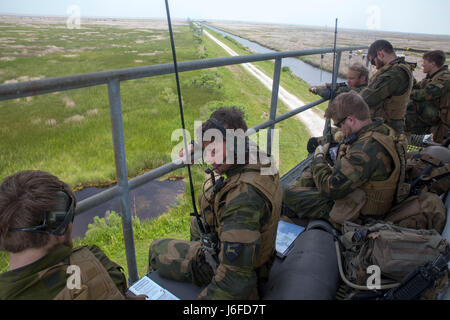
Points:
[(340, 88), (388, 92), (26, 283), (432, 88), (362, 161), (245, 221)]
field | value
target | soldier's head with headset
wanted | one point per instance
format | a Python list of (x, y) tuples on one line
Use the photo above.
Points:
[(215, 150), (36, 211)]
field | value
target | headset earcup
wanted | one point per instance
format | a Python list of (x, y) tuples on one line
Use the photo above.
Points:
[(56, 216)]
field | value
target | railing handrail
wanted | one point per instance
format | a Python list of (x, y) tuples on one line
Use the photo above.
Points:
[(43, 86), (158, 172)]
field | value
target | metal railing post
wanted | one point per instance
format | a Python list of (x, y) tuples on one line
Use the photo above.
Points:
[(274, 102), (333, 82), (35, 87), (115, 105), (336, 69)]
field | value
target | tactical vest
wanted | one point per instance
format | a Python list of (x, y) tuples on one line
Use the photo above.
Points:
[(393, 108), (269, 186), (381, 194), (96, 284), (359, 89), (443, 105)]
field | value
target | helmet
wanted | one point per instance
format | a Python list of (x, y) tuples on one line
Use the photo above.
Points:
[(438, 152)]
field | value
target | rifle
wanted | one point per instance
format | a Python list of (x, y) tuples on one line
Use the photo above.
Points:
[(419, 280), (412, 65), (417, 183)]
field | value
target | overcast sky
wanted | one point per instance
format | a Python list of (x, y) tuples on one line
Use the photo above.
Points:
[(416, 16)]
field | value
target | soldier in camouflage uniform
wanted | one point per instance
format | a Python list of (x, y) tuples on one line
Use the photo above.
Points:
[(364, 178), (35, 227), (428, 109), (388, 92), (241, 212), (357, 78)]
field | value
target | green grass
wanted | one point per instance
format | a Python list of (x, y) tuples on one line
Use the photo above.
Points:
[(288, 80), (81, 153)]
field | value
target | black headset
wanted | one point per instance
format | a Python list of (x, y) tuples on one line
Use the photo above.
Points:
[(55, 222), (222, 129), (219, 126)]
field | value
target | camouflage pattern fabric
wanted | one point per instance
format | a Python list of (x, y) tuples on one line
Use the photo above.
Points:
[(358, 162), (303, 197), (340, 88), (180, 260), (27, 283), (393, 82), (423, 111), (307, 203), (420, 117), (242, 214)]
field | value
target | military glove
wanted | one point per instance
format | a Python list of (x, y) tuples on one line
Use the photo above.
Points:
[(321, 150), (313, 90), (313, 143), (339, 137), (324, 92)]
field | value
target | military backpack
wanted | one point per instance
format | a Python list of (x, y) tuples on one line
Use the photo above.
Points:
[(395, 250)]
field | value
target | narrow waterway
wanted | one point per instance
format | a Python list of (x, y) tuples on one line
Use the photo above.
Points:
[(147, 201), (313, 121), (309, 73)]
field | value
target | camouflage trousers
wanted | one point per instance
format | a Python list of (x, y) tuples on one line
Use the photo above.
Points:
[(304, 200), (180, 260)]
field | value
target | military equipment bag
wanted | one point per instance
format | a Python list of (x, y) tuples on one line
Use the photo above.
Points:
[(397, 251), (423, 211)]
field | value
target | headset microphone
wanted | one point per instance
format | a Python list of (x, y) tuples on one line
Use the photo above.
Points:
[(211, 173)]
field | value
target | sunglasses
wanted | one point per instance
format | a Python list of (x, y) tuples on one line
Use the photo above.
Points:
[(340, 123)]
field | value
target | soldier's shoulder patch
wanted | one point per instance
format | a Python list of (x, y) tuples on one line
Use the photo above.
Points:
[(232, 250), (338, 178)]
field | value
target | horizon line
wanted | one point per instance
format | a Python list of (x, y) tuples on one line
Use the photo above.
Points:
[(223, 20)]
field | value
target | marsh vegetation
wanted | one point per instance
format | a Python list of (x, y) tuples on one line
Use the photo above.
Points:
[(294, 37), (68, 133)]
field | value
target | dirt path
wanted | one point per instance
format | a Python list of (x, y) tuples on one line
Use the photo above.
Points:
[(313, 122)]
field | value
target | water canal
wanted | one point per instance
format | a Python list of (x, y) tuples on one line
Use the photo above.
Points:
[(309, 73), (147, 201)]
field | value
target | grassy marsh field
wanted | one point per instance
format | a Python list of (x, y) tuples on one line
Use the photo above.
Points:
[(294, 37), (69, 133)]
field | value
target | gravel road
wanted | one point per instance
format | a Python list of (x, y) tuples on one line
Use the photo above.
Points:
[(313, 122)]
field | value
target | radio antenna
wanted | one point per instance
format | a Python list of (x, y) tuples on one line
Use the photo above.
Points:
[(180, 104)]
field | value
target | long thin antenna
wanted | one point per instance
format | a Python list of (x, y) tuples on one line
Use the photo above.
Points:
[(335, 73), (180, 103), (327, 129)]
